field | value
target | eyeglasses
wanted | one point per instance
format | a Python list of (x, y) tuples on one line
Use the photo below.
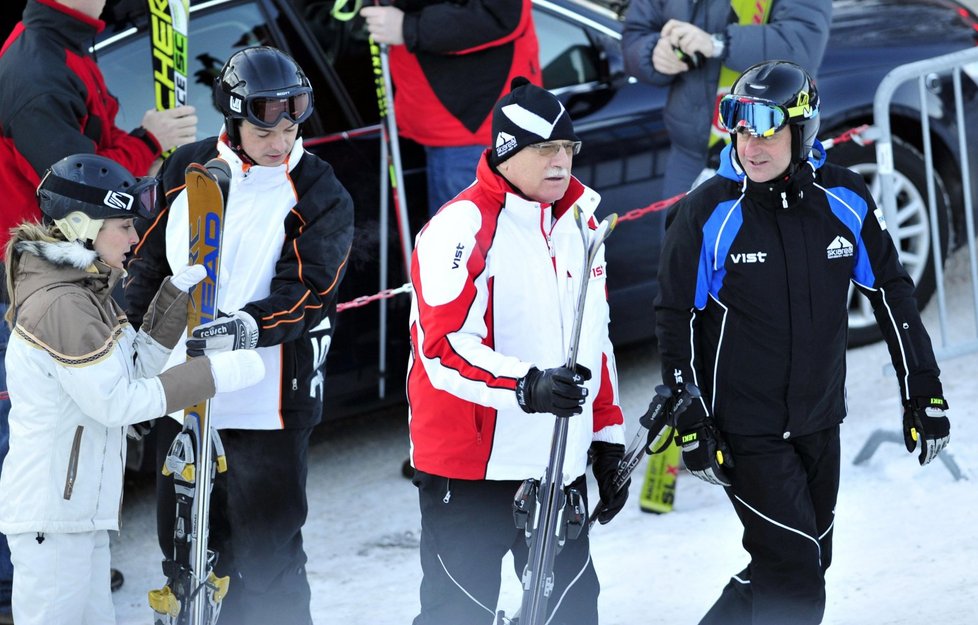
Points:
[(761, 118), (267, 109), (550, 148)]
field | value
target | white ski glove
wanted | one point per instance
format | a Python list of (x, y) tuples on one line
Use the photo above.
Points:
[(186, 277), (229, 331), (236, 370)]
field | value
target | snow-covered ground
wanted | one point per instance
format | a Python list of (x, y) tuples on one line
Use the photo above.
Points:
[(906, 541)]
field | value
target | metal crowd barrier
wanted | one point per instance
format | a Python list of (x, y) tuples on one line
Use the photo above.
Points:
[(923, 71)]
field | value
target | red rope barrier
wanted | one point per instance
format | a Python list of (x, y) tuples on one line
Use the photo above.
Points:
[(861, 135)]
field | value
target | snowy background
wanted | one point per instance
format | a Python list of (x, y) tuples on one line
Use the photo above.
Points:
[(906, 543)]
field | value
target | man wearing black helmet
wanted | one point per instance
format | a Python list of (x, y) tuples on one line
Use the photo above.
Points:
[(287, 232), (755, 270), (78, 375)]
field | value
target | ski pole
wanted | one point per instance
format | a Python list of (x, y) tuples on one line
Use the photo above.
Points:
[(538, 579), (380, 58), (663, 411)]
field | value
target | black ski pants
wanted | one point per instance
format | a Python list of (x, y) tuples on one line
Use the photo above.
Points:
[(784, 492), (258, 508), (466, 528)]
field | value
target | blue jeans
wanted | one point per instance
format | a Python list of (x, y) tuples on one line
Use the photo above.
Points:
[(6, 568), (450, 169)]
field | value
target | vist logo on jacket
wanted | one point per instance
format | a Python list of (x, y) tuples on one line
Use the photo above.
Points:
[(748, 257)]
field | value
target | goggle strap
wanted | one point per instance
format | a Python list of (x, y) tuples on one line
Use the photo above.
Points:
[(124, 201)]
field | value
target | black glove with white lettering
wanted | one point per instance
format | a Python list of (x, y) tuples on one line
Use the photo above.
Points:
[(237, 330), (605, 459), (925, 422), (559, 391)]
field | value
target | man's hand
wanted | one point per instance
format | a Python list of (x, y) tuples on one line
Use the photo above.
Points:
[(172, 127), (605, 459), (664, 59), (385, 24), (688, 38), (228, 332), (559, 391), (705, 454), (925, 422)]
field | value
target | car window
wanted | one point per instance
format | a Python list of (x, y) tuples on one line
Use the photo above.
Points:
[(566, 53), (345, 43), (214, 36)]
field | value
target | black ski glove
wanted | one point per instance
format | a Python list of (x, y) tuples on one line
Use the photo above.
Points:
[(229, 331), (559, 391), (705, 453), (605, 458), (925, 422)]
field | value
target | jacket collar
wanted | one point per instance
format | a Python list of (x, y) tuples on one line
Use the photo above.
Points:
[(500, 190), (44, 264), (240, 165), (783, 192), (71, 28)]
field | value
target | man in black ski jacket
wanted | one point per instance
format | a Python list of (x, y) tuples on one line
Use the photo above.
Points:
[(754, 277), (287, 233)]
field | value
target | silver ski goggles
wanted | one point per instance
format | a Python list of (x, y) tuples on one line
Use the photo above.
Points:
[(267, 109), (139, 200), (761, 118)]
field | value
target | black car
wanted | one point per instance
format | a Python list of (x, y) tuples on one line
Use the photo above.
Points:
[(618, 119)]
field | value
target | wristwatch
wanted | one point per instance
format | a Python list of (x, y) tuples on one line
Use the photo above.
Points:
[(719, 45)]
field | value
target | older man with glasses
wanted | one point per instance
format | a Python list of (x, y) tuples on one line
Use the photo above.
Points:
[(496, 276)]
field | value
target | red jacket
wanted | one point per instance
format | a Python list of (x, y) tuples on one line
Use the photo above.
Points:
[(496, 285), (457, 61), (54, 103)]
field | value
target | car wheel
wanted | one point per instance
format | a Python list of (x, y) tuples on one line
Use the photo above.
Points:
[(911, 233)]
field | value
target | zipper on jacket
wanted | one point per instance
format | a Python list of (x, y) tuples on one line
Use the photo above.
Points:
[(295, 369), (448, 491), (73, 462)]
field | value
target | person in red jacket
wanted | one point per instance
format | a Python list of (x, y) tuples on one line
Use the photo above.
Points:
[(450, 63), (54, 103)]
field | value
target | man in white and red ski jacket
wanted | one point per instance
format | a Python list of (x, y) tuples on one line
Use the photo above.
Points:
[(496, 276), (450, 62)]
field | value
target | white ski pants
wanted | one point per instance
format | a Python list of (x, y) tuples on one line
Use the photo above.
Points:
[(63, 580)]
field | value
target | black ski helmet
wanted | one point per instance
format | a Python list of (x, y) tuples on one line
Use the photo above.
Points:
[(80, 191), (790, 89), (263, 85)]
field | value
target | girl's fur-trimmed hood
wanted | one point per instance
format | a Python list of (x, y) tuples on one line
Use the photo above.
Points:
[(59, 253)]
